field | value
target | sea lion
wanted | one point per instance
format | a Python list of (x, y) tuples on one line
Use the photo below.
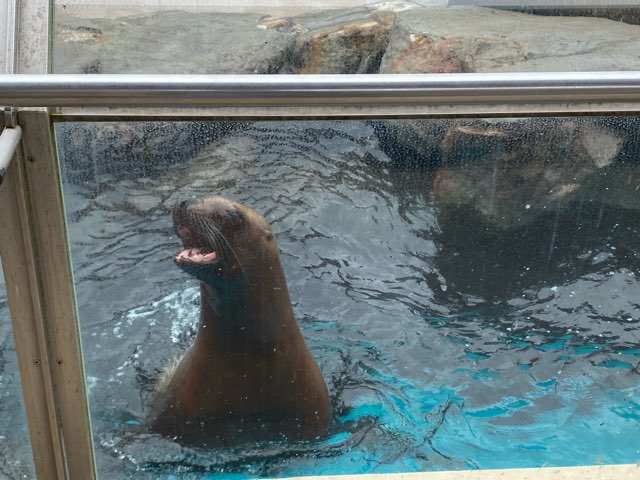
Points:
[(248, 374)]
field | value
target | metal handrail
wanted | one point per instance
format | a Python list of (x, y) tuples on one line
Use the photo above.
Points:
[(67, 90)]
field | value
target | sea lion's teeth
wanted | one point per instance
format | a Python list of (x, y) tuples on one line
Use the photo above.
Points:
[(209, 257)]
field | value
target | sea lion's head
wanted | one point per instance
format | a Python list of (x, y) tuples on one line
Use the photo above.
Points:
[(220, 238)]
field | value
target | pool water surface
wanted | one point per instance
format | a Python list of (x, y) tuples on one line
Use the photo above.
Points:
[(446, 343)]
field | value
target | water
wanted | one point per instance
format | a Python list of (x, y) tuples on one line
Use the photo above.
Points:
[(446, 343)]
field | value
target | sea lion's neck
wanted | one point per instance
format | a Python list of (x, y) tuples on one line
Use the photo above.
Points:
[(240, 316)]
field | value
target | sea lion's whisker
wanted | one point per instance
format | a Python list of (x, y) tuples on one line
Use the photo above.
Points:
[(216, 235)]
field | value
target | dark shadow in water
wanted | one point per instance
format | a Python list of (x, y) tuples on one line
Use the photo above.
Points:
[(480, 259)]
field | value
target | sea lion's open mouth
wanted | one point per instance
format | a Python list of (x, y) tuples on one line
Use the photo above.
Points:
[(191, 253), (198, 256)]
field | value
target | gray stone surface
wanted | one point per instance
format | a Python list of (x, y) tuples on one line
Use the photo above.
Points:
[(170, 42), (335, 41), (344, 41), (476, 39), (359, 40)]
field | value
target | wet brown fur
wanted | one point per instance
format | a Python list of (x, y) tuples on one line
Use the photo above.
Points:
[(248, 374)]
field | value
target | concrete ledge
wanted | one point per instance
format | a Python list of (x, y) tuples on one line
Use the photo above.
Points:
[(589, 472)]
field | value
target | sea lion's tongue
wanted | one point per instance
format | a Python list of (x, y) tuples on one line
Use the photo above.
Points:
[(196, 255)]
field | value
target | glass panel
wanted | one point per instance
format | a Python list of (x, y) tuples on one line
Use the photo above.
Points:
[(469, 290), (359, 36), (16, 460)]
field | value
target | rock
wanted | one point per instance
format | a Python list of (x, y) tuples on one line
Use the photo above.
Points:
[(131, 149), (343, 41), (511, 171), (388, 39), (333, 41), (413, 142), (170, 42), (476, 39)]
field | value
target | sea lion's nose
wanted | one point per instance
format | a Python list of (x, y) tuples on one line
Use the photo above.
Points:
[(183, 232)]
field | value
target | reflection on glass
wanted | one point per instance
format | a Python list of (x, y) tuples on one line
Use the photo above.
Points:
[(467, 288), (16, 461), (359, 36)]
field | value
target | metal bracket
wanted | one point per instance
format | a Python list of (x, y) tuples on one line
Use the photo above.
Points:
[(10, 117), (9, 139)]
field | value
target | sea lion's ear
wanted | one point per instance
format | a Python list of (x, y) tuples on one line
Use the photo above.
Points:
[(268, 235)]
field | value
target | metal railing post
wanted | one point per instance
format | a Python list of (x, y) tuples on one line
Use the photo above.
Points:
[(37, 268), (34, 250)]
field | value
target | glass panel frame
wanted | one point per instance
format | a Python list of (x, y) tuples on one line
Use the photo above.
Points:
[(34, 19), (125, 198), (16, 454)]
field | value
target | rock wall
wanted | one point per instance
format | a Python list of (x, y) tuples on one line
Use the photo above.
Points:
[(476, 39), (394, 38)]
